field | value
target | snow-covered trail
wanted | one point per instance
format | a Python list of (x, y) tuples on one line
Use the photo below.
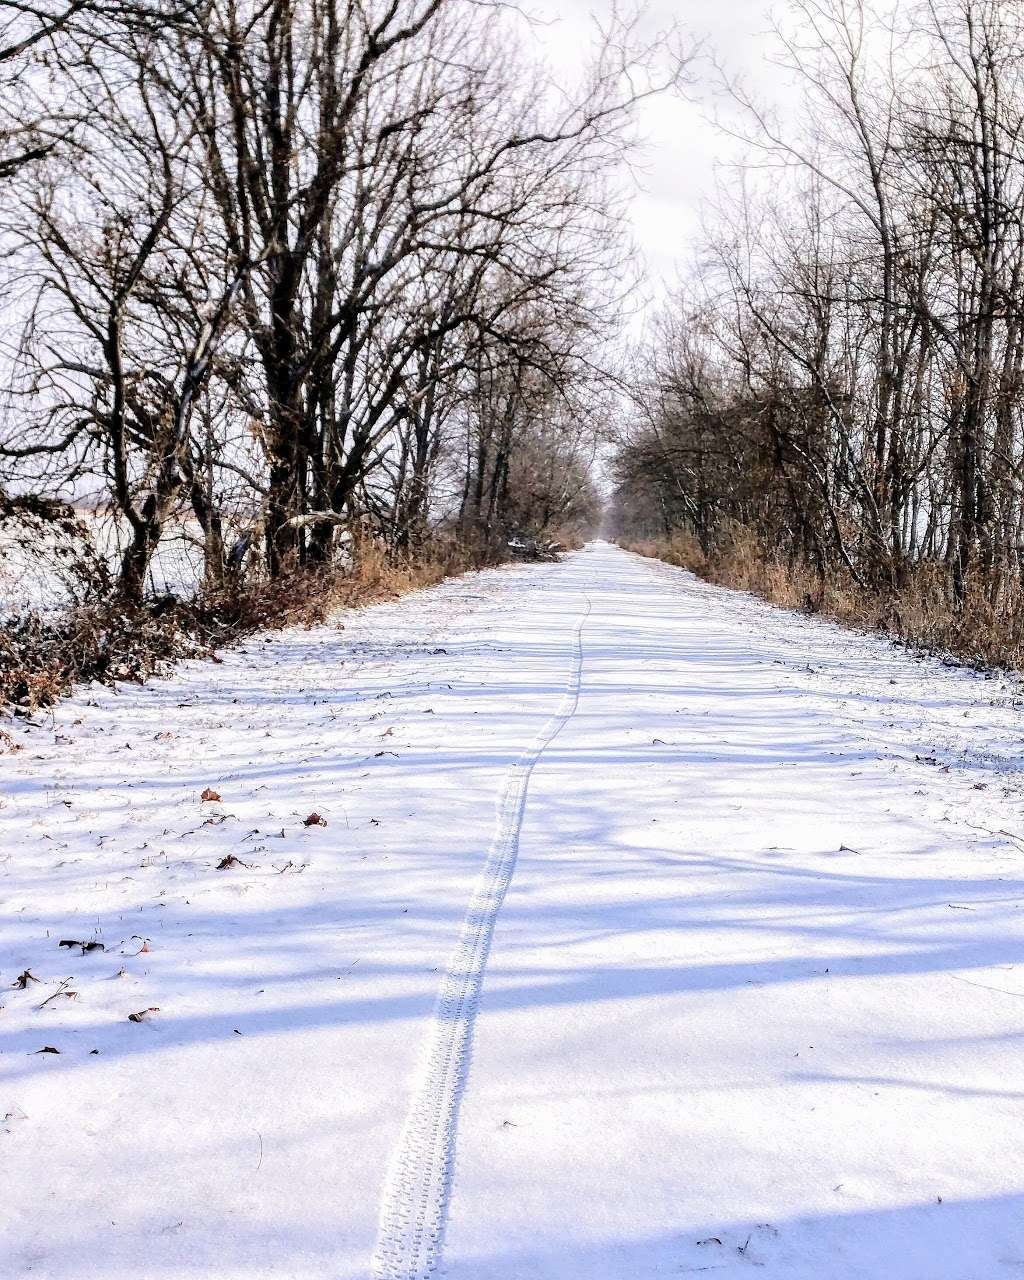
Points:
[(653, 931)]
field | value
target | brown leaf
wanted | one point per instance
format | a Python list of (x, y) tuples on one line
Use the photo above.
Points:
[(230, 861), (314, 820), (209, 795), (23, 979), (143, 1014)]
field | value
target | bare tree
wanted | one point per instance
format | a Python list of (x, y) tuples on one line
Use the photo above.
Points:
[(844, 384)]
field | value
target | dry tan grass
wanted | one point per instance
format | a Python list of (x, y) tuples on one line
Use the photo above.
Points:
[(376, 575), (918, 613)]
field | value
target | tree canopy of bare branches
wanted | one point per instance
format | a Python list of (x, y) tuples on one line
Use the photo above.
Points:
[(843, 377), (277, 267)]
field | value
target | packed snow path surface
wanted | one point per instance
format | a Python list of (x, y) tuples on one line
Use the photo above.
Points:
[(652, 931)]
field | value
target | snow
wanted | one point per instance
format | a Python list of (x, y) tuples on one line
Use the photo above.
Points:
[(653, 931)]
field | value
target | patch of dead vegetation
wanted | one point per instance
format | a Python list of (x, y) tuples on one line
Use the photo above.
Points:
[(42, 658), (917, 612)]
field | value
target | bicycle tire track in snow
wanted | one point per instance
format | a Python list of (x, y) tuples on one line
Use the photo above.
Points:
[(416, 1195)]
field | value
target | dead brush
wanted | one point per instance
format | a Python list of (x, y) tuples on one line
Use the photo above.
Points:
[(681, 549), (42, 658), (378, 573), (918, 611)]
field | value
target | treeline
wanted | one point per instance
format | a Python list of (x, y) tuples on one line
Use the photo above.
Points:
[(278, 270), (838, 395)]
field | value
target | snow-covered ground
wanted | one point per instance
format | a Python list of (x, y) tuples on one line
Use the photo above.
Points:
[(652, 931)]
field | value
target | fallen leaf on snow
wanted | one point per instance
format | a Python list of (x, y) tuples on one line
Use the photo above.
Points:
[(314, 820), (23, 979), (47, 1048), (209, 795), (230, 861), (86, 946), (143, 1014)]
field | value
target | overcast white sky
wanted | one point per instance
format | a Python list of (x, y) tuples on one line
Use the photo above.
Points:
[(680, 158)]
